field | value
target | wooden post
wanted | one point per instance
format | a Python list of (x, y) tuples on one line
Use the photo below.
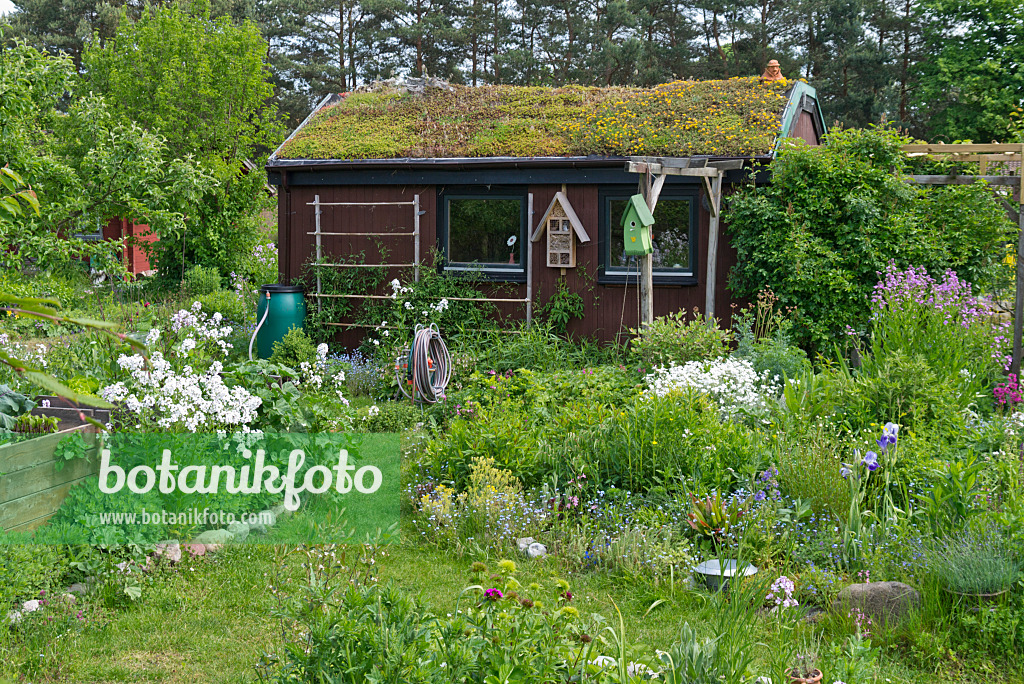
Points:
[(647, 263), (416, 237), (319, 254), (1018, 302), (714, 201), (529, 259)]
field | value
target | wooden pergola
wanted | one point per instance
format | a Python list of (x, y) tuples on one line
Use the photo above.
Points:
[(994, 157), (988, 158), (655, 170)]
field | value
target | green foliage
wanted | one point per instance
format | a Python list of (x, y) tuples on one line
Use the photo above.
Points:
[(294, 349), (203, 85), (671, 340), (563, 307), (234, 308), (12, 406), (973, 562), (972, 81), (391, 416), (834, 216), (734, 117), (200, 280), (71, 150), (762, 337)]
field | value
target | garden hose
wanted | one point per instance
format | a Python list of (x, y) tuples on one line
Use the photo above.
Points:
[(426, 368), (258, 326)]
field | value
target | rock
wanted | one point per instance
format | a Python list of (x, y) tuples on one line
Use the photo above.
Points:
[(68, 598), (213, 548), (280, 512), (168, 550), (524, 543), (881, 601), (30, 606), (78, 588), (265, 520), (195, 549), (536, 550), (213, 537), (239, 531)]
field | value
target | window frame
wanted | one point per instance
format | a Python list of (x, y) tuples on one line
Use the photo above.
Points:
[(487, 271), (617, 275)]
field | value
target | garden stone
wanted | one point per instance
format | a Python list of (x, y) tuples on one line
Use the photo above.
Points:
[(280, 512), (195, 550), (537, 550), (78, 588), (171, 550), (239, 531), (880, 601), (217, 537), (524, 543)]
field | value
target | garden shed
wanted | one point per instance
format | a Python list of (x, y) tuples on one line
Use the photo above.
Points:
[(525, 187)]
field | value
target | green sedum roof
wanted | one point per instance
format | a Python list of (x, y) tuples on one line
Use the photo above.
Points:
[(735, 117)]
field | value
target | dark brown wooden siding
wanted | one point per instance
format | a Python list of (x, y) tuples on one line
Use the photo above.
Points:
[(804, 128), (609, 309)]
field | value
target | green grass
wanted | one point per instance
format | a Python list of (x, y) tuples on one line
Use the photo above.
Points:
[(210, 620)]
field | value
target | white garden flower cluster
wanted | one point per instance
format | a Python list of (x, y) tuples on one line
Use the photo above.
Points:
[(732, 383), (186, 399), (34, 355), (313, 374), (196, 328)]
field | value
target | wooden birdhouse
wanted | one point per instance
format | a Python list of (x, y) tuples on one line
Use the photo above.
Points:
[(636, 223), (563, 229)]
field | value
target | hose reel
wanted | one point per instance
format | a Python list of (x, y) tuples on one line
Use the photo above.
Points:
[(424, 369)]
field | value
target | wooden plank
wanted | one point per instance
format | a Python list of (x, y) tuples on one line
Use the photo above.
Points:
[(361, 204), (365, 265), (363, 234), (643, 167), (1011, 181), (712, 270), (450, 299), (29, 512), (31, 452), (989, 158), (43, 476), (959, 148)]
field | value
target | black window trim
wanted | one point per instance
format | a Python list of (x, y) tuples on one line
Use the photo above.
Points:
[(489, 272), (612, 275)]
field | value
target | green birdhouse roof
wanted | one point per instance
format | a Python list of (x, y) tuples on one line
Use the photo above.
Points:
[(433, 120), (638, 205)]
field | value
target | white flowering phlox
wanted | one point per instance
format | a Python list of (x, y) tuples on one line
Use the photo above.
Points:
[(732, 383), (192, 324), (33, 355), (181, 400)]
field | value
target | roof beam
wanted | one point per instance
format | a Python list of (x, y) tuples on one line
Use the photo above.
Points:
[(956, 179), (658, 169)]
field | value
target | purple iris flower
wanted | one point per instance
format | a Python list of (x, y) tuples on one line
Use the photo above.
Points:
[(870, 460), (844, 471)]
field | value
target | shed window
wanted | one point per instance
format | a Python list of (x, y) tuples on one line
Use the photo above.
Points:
[(673, 236), (484, 231)]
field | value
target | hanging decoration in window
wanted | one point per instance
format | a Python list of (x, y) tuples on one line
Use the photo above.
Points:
[(563, 229)]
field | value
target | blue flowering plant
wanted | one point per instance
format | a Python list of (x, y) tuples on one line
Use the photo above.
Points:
[(858, 475)]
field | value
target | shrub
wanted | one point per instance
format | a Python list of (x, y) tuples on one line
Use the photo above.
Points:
[(763, 338), (672, 340), (295, 349), (390, 416), (835, 215), (200, 280), (228, 304)]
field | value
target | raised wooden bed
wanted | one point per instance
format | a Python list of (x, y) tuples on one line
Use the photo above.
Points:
[(31, 487)]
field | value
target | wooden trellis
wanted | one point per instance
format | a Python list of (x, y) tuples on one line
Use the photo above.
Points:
[(988, 157), (415, 265)]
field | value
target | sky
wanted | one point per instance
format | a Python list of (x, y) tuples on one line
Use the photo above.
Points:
[(6, 6)]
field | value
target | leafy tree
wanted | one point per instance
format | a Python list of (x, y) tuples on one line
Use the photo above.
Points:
[(84, 164), (833, 217), (975, 76), (203, 84)]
